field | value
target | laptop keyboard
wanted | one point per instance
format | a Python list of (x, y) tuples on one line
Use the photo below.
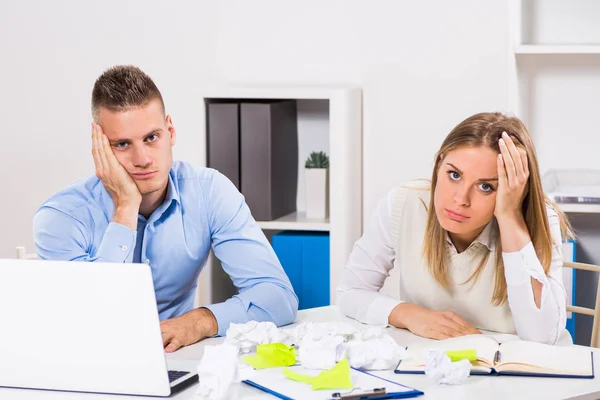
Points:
[(174, 375)]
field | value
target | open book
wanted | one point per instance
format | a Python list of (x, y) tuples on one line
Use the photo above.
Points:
[(508, 358)]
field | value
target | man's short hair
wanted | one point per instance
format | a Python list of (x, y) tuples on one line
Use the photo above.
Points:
[(123, 87)]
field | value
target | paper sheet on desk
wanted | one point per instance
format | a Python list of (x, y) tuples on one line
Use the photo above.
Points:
[(274, 382)]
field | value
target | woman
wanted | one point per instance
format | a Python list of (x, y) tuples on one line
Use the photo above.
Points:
[(478, 248)]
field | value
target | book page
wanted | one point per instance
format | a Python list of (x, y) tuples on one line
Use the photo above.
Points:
[(485, 348), (523, 356)]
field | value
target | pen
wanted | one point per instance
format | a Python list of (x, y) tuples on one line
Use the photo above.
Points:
[(377, 392), (497, 357)]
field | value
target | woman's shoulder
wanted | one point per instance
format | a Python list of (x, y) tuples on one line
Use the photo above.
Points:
[(551, 211), (409, 200), (410, 191)]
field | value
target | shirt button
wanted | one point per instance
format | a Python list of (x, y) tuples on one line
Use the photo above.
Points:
[(147, 261), (124, 248)]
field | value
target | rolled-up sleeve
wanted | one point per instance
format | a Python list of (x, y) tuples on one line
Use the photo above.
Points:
[(546, 323), (265, 291)]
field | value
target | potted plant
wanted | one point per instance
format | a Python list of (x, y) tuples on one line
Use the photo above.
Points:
[(317, 185)]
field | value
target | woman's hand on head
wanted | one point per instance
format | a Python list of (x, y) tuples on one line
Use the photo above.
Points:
[(513, 175)]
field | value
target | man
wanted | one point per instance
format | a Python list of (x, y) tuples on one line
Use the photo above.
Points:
[(142, 207)]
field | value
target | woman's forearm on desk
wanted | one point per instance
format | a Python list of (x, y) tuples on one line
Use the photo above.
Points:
[(369, 265), (366, 306)]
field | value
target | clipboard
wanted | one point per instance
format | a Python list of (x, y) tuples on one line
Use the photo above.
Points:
[(371, 387)]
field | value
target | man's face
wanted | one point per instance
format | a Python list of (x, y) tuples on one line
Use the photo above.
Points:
[(141, 139)]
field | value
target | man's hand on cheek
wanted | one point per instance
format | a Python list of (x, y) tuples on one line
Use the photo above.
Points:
[(116, 180)]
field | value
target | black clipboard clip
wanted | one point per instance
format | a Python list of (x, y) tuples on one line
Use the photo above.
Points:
[(366, 394)]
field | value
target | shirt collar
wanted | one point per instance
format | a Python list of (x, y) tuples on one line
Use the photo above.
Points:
[(171, 196), (172, 190), (487, 237)]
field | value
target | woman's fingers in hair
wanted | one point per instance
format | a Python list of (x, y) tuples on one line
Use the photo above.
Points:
[(502, 178), (508, 158), (525, 162), (518, 157), (514, 154)]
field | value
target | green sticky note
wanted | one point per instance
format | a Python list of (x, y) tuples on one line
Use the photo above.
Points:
[(295, 376), (272, 355), (337, 377), (457, 355)]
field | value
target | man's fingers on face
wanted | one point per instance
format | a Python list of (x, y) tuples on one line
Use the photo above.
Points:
[(94, 147), (106, 150), (96, 153), (111, 159), (101, 149)]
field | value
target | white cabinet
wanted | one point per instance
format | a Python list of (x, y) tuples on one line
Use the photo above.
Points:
[(329, 119), (555, 89)]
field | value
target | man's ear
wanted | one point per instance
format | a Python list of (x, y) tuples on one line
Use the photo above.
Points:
[(171, 129)]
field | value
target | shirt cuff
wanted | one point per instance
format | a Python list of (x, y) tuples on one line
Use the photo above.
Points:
[(227, 313), (380, 310), (117, 244), (520, 266)]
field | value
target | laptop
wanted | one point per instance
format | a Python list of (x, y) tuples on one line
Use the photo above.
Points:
[(84, 327)]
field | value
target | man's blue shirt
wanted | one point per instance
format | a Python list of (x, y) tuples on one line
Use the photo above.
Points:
[(202, 208)]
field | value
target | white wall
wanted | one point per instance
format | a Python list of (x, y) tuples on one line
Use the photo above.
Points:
[(559, 98), (52, 52), (423, 66)]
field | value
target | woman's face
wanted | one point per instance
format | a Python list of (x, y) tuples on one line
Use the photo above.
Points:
[(465, 194)]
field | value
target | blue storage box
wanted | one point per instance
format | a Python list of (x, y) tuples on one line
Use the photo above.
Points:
[(305, 258)]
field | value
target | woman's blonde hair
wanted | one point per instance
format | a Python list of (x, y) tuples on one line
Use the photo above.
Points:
[(485, 129)]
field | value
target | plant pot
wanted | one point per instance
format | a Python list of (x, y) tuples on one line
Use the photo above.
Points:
[(317, 193)]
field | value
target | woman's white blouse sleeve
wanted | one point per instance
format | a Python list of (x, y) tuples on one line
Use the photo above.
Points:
[(544, 324), (368, 266)]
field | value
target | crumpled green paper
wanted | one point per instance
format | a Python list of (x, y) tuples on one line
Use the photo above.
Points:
[(337, 377), (272, 355)]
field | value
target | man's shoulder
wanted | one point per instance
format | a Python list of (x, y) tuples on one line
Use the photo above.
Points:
[(186, 174), (205, 186), (76, 195)]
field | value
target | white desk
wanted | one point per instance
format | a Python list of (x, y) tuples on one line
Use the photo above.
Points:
[(476, 387)]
